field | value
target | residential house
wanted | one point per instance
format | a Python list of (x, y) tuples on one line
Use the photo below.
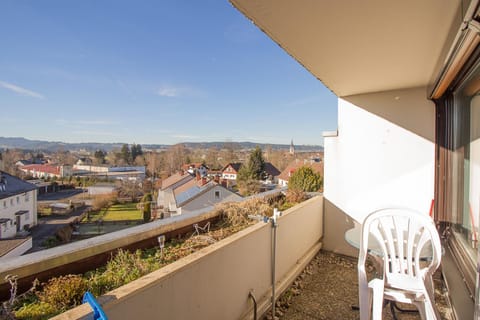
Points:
[(171, 183), (271, 173), (193, 168), (197, 194), (314, 163), (84, 161), (47, 170), (230, 171), (25, 162), (18, 213), (406, 77)]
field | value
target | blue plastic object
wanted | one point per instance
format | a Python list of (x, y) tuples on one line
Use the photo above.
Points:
[(98, 313)]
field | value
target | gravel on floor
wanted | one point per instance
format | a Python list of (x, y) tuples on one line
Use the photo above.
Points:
[(328, 288)]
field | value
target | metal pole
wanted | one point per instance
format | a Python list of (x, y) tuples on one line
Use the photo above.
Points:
[(274, 249), (276, 214)]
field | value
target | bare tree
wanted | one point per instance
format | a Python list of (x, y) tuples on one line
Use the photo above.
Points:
[(229, 153), (9, 157), (175, 157), (211, 158)]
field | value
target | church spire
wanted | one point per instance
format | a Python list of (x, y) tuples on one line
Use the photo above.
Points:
[(292, 148)]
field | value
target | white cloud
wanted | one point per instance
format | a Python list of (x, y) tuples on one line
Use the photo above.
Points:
[(20, 90), (169, 91), (174, 92), (94, 122), (91, 133)]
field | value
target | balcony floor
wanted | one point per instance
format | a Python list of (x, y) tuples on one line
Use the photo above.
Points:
[(328, 288)]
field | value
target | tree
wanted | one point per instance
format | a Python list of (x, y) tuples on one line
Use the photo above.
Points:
[(155, 163), (211, 158), (228, 153), (99, 156), (147, 205), (125, 154), (256, 163), (175, 157), (251, 172), (136, 151), (305, 179), (8, 159)]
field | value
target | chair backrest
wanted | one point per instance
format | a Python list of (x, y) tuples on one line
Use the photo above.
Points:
[(406, 239)]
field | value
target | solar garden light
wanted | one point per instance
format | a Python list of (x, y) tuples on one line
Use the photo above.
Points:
[(161, 243)]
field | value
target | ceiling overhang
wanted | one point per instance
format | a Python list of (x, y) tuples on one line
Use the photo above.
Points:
[(356, 47)]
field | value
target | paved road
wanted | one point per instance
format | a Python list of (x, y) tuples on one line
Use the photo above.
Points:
[(47, 226)]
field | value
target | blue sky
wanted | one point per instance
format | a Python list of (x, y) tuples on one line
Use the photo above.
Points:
[(151, 72)]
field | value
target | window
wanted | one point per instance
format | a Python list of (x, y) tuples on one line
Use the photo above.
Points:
[(4, 203), (27, 197), (18, 200), (458, 170), (217, 195), (11, 202)]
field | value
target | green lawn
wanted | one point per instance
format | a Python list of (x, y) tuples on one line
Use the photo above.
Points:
[(127, 211)]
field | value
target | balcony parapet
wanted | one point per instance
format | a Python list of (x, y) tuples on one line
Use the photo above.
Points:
[(215, 282)]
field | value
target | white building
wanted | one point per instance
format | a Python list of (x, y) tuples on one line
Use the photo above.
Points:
[(18, 212)]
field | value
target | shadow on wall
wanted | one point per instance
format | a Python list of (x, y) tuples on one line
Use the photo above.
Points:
[(407, 108), (335, 223)]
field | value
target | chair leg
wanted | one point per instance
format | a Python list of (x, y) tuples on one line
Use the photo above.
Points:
[(427, 310), (377, 296), (365, 305)]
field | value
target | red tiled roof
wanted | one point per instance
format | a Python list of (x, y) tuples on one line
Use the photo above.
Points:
[(177, 177), (317, 166)]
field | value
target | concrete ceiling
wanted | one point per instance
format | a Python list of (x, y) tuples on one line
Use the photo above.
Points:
[(357, 46)]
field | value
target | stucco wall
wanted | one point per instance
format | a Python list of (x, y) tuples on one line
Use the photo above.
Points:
[(208, 199), (383, 154), (215, 282), (11, 207)]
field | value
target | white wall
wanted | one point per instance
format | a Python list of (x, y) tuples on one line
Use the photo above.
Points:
[(11, 207), (383, 154)]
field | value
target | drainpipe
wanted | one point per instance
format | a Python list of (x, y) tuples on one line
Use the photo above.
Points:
[(273, 220), (251, 295)]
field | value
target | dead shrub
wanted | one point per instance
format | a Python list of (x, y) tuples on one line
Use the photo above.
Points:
[(63, 292), (236, 213), (103, 201), (296, 196)]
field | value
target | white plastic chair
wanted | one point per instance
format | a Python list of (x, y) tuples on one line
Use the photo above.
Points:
[(410, 248)]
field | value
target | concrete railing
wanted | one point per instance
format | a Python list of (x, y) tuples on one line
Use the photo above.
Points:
[(215, 282), (84, 255)]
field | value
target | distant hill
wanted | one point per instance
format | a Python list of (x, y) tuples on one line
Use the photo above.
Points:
[(52, 146)]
